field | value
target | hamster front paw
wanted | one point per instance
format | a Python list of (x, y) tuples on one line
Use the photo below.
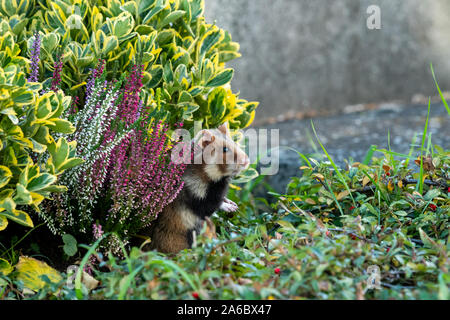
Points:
[(228, 206)]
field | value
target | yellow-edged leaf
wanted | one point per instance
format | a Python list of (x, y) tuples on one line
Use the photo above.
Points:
[(20, 217), (5, 267), (30, 271), (3, 222), (5, 176), (78, 85)]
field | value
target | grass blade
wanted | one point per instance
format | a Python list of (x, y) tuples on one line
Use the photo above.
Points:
[(411, 150), (338, 172), (419, 186), (439, 90), (78, 291), (369, 154)]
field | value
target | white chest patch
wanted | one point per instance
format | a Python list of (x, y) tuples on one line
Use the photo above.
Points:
[(195, 185), (190, 220), (213, 172)]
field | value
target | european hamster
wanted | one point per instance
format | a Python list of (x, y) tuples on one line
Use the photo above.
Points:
[(206, 183)]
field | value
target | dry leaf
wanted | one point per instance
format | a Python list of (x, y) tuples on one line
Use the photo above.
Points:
[(324, 286), (342, 195), (318, 176), (390, 186), (89, 281), (427, 163), (243, 281), (152, 284), (365, 181), (210, 232)]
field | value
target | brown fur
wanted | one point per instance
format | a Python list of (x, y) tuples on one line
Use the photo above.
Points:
[(168, 233)]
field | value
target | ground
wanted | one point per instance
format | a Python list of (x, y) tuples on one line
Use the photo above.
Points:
[(352, 133)]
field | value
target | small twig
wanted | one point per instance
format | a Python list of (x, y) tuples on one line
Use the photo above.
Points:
[(396, 286), (427, 182), (352, 233), (417, 241), (405, 181), (237, 239)]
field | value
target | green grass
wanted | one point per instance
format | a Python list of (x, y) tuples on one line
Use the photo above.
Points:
[(439, 90), (338, 172), (321, 245)]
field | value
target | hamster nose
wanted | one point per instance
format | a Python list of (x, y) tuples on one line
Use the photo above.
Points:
[(245, 162)]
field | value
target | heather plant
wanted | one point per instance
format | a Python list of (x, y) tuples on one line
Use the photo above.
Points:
[(35, 58), (56, 78), (127, 177), (182, 55), (31, 158)]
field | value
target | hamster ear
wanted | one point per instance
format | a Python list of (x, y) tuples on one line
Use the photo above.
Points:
[(224, 128), (205, 138)]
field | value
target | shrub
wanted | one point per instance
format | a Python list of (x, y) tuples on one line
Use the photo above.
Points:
[(181, 54), (127, 177), (31, 159)]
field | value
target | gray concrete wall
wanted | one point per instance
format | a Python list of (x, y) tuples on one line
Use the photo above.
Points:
[(318, 54)]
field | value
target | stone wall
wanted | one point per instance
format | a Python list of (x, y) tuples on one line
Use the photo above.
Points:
[(318, 54)]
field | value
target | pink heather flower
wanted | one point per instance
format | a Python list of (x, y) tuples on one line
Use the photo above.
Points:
[(74, 105), (130, 106), (56, 78), (35, 58), (96, 73), (97, 230), (143, 176), (128, 176)]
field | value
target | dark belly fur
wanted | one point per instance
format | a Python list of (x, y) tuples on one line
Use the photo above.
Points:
[(215, 194)]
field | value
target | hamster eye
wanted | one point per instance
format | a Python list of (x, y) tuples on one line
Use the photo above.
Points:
[(225, 149)]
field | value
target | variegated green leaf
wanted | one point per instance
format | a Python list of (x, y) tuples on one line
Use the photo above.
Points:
[(31, 271), (19, 216), (221, 78), (5, 176)]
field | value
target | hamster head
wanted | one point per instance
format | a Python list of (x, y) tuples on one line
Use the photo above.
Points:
[(220, 155)]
